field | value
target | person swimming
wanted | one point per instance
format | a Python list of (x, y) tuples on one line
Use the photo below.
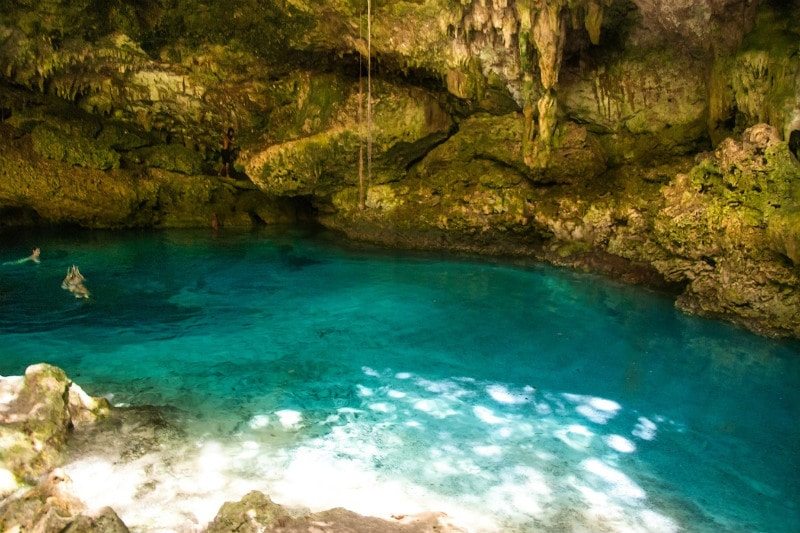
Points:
[(73, 283), (33, 258)]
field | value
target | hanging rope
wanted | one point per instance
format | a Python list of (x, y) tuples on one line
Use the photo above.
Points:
[(361, 195), (369, 92)]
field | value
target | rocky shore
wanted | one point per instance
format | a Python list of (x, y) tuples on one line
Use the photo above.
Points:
[(43, 410)]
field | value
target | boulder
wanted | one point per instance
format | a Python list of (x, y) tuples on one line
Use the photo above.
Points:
[(257, 513), (50, 508), (407, 122), (36, 416), (725, 226)]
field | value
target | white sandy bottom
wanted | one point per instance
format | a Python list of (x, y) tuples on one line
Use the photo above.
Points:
[(491, 458)]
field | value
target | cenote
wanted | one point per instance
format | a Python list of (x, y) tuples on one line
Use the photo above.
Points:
[(512, 398)]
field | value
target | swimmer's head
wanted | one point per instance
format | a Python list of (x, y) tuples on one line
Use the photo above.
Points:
[(36, 253)]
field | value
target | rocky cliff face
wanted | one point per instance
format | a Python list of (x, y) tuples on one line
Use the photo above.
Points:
[(590, 133)]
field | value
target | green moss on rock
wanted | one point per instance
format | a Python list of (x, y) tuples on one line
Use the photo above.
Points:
[(645, 103), (172, 157), (54, 144), (723, 226), (406, 123), (759, 82), (783, 230)]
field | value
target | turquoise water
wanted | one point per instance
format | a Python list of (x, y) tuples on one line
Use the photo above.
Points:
[(512, 398)]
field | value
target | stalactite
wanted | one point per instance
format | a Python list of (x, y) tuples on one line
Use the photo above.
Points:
[(543, 24), (548, 33), (489, 31), (594, 19), (524, 15)]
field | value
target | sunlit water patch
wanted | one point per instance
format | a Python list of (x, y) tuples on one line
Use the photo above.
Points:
[(512, 399)]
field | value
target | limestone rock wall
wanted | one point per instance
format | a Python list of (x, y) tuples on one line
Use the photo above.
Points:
[(56, 180)]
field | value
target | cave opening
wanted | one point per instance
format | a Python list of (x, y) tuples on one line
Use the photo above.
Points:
[(16, 216)]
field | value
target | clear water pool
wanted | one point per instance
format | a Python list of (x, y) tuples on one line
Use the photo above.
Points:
[(511, 398)]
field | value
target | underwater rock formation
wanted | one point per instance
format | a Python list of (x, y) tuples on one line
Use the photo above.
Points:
[(543, 128)]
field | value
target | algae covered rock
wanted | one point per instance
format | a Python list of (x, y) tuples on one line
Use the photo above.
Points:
[(725, 225), (34, 422), (257, 513), (85, 409), (121, 138), (172, 157), (56, 192), (474, 205), (406, 123), (50, 507), (760, 82), (36, 417), (471, 192), (253, 513), (783, 231), (649, 103), (55, 144)]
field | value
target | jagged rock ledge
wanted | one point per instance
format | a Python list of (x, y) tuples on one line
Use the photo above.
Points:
[(38, 413)]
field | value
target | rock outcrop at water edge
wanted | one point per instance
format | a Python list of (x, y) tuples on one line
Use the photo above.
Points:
[(257, 513), (50, 507), (37, 413)]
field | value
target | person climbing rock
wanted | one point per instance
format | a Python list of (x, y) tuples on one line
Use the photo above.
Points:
[(33, 258), (228, 153)]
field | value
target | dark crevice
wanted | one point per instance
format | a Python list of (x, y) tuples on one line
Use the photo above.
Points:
[(522, 171), (13, 216), (710, 261), (431, 147), (305, 209), (794, 143)]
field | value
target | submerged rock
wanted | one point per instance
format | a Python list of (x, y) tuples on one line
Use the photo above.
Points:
[(256, 513)]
